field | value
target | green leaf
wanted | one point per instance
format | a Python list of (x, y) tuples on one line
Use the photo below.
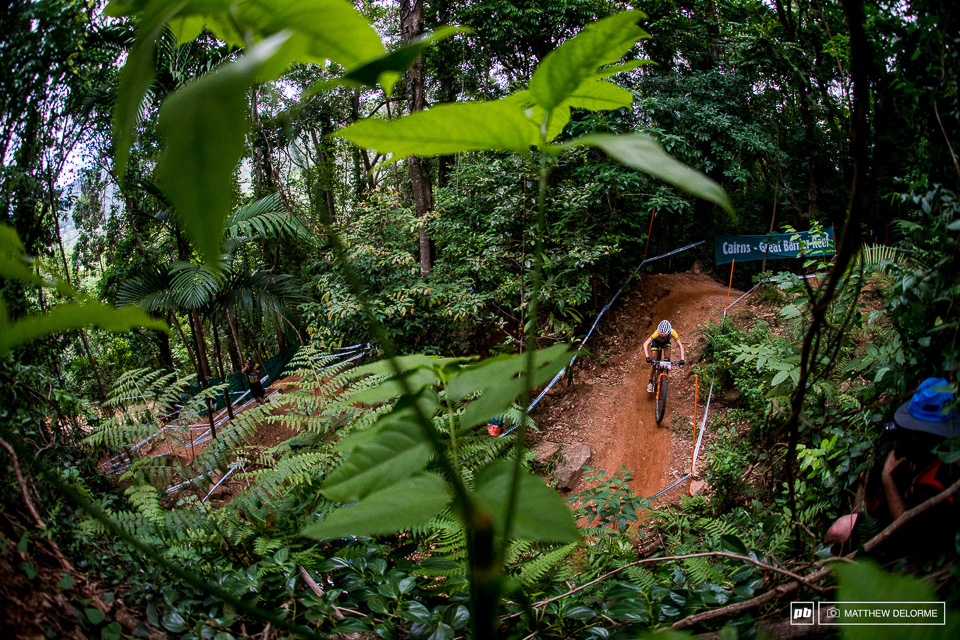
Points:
[(780, 377), (14, 265), (112, 631), (399, 451), (391, 388), (643, 152), (540, 514), (400, 506), (351, 626), (565, 68), (579, 612), (204, 125), (388, 366), (447, 129), (95, 616), (74, 315), (501, 381), (598, 95), (732, 544), (66, 582), (416, 612), (136, 76)]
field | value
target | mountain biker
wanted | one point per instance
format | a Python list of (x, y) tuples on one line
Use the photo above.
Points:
[(660, 340), (252, 372)]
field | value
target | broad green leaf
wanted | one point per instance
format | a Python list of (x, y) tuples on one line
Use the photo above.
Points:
[(388, 366), (14, 264), (540, 514), (186, 28), (643, 152), (399, 451), (447, 129), (408, 381), (565, 68), (95, 616), (732, 544), (173, 622), (427, 400), (559, 117), (579, 612), (325, 29), (204, 125), (402, 505), (137, 75), (12, 268), (598, 95), (497, 378), (493, 370), (73, 315)]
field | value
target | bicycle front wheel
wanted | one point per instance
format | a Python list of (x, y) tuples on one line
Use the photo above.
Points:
[(661, 399)]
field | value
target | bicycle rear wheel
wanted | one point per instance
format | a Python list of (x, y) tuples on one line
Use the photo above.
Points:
[(661, 400)]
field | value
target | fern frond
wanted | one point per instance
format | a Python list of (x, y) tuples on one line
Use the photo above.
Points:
[(535, 569)]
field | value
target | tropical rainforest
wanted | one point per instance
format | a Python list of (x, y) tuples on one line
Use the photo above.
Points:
[(403, 218)]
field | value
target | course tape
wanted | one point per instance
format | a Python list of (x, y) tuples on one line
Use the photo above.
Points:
[(597, 321), (663, 491)]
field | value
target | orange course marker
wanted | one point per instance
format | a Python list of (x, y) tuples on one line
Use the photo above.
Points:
[(649, 231), (730, 286)]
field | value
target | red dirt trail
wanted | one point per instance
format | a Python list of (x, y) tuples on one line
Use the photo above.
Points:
[(608, 407)]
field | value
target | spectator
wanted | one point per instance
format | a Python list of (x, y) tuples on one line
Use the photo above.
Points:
[(911, 472)]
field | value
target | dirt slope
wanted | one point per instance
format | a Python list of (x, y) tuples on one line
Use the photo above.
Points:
[(608, 407)]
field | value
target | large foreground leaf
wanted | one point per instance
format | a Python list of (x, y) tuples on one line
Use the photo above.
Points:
[(501, 381), (400, 506), (448, 129), (540, 513), (399, 450), (204, 125), (565, 68), (74, 315)]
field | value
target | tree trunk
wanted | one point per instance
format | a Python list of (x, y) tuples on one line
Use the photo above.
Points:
[(223, 373), (326, 173), (196, 326), (411, 27), (238, 364), (186, 343)]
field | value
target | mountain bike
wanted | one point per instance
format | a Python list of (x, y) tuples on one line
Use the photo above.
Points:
[(660, 392)]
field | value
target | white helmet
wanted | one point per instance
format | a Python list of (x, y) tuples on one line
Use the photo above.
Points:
[(664, 328)]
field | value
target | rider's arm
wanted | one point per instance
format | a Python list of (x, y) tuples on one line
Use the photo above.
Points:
[(646, 347), (680, 344)]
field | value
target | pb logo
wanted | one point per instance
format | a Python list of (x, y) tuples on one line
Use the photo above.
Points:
[(801, 613)]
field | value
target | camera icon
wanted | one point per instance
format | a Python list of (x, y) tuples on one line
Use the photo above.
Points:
[(833, 613)]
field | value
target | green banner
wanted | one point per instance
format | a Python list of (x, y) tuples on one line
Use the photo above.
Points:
[(774, 246)]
